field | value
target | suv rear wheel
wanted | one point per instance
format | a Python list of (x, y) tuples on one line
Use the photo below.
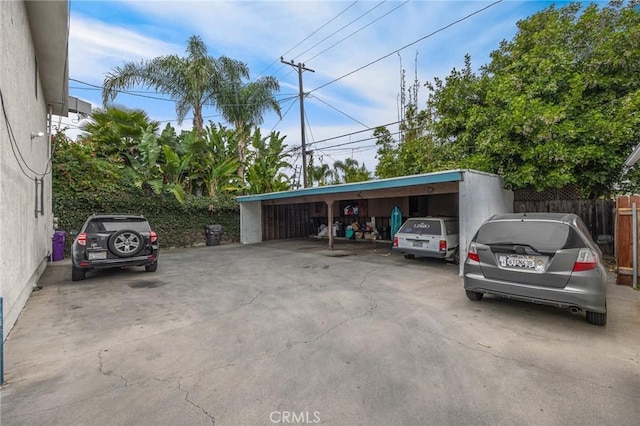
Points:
[(151, 268), (126, 243)]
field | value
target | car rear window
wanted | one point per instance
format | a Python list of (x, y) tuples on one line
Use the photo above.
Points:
[(422, 227), (110, 225), (543, 236)]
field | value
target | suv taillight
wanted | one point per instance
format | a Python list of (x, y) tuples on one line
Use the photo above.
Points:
[(443, 245), (395, 241), (473, 253), (153, 237), (82, 238), (587, 260)]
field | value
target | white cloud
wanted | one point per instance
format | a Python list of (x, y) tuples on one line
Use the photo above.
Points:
[(96, 47)]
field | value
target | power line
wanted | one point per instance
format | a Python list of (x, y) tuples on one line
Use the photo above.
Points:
[(283, 116), (356, 132), (408, 45), (342, 112), (306, 38), (357, 31), (344, 26), (124, 91)]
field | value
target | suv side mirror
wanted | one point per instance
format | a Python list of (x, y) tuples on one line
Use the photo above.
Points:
[(73, 233)]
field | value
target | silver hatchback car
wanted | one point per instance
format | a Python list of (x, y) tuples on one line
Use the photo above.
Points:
[(546, 258)]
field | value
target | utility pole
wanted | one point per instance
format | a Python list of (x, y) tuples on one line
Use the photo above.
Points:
[(301, 68)]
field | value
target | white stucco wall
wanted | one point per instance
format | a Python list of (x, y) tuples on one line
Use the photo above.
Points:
[(25, 239), (481, 195), (251, 222)]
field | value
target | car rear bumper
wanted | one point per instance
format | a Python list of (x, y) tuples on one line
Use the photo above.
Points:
[(115, 263), (590, 297), (422, 253)]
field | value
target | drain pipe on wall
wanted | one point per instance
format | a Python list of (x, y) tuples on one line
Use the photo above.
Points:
[(634, 231)]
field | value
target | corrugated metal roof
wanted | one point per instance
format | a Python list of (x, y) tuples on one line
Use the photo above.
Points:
[(425, 179)]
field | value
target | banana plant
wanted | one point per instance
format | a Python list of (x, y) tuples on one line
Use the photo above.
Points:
[(175, 168), (267, 164)]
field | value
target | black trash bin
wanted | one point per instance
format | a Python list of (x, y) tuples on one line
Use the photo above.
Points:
[(213, 234)]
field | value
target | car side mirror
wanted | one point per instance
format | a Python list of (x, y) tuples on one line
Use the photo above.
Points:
[(73, 233)]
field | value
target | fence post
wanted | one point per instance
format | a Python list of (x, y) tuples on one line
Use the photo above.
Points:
[(634, 231)]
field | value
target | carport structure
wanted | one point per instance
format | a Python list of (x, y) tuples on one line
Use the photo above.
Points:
[(470, 195)]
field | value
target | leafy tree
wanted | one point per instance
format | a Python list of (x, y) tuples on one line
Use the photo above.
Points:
[(556, 105), (244, 104), (267, 160), (558, 99), (387, 155), (77, 169), (193, 82)]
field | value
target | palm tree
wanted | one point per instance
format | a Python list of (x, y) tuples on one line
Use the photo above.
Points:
[(321, 174), (243, 105), (192, 82), (115, 131), (351, 171)]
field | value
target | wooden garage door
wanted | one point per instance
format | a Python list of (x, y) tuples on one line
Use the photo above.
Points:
[(281, 222)]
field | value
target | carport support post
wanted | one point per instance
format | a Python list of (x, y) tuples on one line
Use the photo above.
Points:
[(330, 221)]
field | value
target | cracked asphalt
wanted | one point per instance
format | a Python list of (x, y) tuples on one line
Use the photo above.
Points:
[(287, 332)]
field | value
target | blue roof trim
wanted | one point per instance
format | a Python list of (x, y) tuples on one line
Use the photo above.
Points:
[(437, 177)]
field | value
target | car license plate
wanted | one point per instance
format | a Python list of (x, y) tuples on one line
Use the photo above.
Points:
[(519, 261), (97, 255), (417, 243)]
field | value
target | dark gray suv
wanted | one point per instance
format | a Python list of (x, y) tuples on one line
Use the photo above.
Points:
[(546, 258), (111, 241)]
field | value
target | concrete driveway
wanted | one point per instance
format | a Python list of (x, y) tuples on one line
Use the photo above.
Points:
[(286, 332)]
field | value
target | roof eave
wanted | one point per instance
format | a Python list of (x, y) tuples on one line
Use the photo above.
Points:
[(424, 179), (49, 25)]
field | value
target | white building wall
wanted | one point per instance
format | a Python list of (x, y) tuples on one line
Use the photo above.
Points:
[(25, 238), (481, 195), (251, 222)]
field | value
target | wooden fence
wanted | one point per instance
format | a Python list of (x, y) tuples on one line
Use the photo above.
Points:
[(598, 215), (624, 237)]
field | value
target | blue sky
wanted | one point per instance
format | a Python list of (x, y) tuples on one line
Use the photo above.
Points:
[(335, 38)]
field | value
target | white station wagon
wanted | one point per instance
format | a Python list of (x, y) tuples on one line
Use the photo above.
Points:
[(428, 237)]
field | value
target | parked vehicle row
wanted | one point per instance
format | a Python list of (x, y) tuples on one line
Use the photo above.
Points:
[(544, 258)]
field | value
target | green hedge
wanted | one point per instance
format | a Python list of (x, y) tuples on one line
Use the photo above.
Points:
[(177, 225)]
